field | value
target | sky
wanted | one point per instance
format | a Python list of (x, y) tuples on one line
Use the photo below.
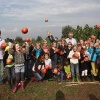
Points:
[(15, 14)]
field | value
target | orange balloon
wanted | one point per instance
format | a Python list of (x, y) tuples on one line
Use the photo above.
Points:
[(46, 20), (97, 26), (27, 40), (86, 59), (75, 55), (44, 71), (24, 30), (46, 67), (55, 71), (8, 61), (50, 67), (92, 37), (3, 45)]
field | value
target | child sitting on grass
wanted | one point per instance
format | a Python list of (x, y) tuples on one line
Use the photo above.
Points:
[(60, 72), (67, 70)]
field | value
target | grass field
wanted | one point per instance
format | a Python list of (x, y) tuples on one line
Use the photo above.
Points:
[(51, 90)]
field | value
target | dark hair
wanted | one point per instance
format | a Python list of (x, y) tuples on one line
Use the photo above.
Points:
[(40, 57)]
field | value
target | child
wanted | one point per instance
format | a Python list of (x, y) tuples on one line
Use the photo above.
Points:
[(49, 65), (10, 68), (60, 72), (62, 49), (53, 55), (84, 64), (74, 57), (67, 70), (37, 68), (38, 51), (45, 47), (19, 67)]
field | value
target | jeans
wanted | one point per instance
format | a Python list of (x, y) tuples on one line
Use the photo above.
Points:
[(27, 69), (54, 63), (74, 68), (19, 71), (1, 71), (39, 76), (60, 75), (10, 72), (94, 70)]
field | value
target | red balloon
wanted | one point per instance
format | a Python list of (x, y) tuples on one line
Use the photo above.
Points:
[(55, 71), (50, 67), (92, 37), (86, 59), (46, 67), (44, 71), (24, 30), (75, 55), (27, 40), (3, 45), (97, 26), (8, 61), (46, 20)]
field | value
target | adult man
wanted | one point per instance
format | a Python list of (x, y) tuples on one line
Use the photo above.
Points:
[(1, 60), (71, 39)]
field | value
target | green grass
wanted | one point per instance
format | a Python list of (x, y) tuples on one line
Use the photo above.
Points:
[(49, 91)]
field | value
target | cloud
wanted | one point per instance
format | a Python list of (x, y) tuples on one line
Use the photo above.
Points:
[(14, 14)]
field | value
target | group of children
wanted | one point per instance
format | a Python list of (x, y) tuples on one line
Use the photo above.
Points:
[(62, 60)]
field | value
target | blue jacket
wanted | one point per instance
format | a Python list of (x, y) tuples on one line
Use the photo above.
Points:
[(94, 57)]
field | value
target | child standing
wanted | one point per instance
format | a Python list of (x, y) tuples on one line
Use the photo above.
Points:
[(54, 55), (10, 68), (84, 64), (19, 67), (74, 57)]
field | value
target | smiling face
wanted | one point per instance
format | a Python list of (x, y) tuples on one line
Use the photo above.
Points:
[(17, 47), (46, 56), (74, 48)]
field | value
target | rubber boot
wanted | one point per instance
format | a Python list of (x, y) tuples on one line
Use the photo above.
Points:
[(9, 83), (15, 88), (22, 86), (77, 78)]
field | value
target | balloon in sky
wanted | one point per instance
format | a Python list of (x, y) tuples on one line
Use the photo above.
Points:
[(24, 30)]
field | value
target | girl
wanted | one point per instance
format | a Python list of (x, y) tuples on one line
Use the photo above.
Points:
[(67, 70), (74, 57), (38, 67), (68, 49), (49, 66), (62, 49), (84, 64), (10, 68), (54, 55), (45, 47), (19, 67), (94, 51), (38, 51)]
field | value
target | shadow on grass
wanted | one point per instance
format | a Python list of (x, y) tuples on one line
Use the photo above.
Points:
[(93, 97), (60, 95)]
